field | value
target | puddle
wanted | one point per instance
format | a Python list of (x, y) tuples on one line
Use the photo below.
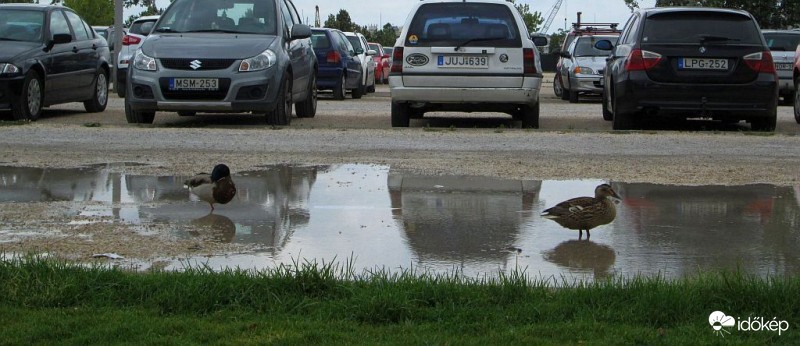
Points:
[(477, 226)]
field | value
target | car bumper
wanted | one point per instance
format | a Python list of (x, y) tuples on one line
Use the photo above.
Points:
[(9, 91), (786, 86), (528, 93), (588, 84), (754, 99), (328, 77), (239, 92)]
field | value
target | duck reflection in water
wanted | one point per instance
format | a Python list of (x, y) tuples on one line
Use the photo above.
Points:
[(583, 255), (214, 227)]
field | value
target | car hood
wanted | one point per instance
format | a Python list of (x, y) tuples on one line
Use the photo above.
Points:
[(11, 49), (206, 45), (595, 62)]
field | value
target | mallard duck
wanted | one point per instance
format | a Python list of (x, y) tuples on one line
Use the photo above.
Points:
[(215, 188), (585, 213)]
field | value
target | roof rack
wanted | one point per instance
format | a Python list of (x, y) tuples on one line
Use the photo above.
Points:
[(593, 27)]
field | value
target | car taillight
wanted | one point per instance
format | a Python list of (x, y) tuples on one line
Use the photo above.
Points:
[(333, 57), (397, 60), (528, 61), (641, 60), (128, 40), (760, 62)]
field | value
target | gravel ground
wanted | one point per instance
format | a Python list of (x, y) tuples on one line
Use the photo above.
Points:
[(573, 143)]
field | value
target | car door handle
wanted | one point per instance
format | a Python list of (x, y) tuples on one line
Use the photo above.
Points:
[(74, 49), (94, 46)]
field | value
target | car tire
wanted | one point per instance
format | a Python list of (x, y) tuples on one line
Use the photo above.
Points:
[(282, 114), (308, 107), (797, 102), (530, 116), (138, 117), (401, 114), (765, 124), (557, 89), (186, 113), (340, 90), (371, 88), (573, 96), (29, 104), (120, 89), (358, 92), (607, 114), (99, 100), (564, 93), (621, 120)]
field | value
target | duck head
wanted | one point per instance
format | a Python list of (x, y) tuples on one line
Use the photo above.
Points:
[(220, 171), (605, 190)]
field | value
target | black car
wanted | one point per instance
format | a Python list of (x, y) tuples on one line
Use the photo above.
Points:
[(49, 55), (690, 63)]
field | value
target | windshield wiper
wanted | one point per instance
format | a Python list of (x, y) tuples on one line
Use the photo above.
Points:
[(215, 30), (713, 38), (462, 44)]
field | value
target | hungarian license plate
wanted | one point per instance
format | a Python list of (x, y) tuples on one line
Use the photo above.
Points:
[(463, 61), (702, 64), (194, 84), (783, 66)]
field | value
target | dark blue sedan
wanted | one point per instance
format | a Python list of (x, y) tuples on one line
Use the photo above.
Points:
[(339, 67)]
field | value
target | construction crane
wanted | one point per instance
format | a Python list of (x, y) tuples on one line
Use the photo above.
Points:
[(553, 12), (317, 22)]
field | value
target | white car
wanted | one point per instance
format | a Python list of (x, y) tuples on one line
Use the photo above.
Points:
[(465, 56), (137, 32), (366, 55)]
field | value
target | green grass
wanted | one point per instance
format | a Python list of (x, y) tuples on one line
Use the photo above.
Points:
[(46, 301)]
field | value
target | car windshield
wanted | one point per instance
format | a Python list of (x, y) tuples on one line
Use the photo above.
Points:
[(227, 16), (707, 27), (376, 48), (463, 24), (585, 45), (778, 41), (21, 25)]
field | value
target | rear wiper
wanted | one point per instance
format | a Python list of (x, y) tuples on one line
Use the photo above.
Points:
[(165, 30), (462, 44), (713, 38)]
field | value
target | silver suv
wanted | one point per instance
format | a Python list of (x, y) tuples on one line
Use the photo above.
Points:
[(464, 56), (230, 56)]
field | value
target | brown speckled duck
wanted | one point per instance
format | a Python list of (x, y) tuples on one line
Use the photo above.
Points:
[(585, 213), (215, 188)]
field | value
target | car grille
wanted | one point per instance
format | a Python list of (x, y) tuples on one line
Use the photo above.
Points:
[(208, 95), (202, 64)]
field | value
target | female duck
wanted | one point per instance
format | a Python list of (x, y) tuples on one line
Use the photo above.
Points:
[(585, 213)]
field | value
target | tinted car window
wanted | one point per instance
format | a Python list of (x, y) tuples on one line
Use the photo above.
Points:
[(140, 28), (21, 25), (77, 26), (245, 16), (355, 41), (782, 42), (454, 23), (695, 27), (319, 40)]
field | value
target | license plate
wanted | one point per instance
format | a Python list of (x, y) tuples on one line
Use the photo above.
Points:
[(783, 66), (702, 64), (194, 84), (463, 61)]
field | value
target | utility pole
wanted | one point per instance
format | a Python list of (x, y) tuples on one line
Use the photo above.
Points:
[(317, 22)]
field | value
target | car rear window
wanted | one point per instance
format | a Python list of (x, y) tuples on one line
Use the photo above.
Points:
[(319, 40), (781, 41), (452, 24), (585, 45), (700, 27)]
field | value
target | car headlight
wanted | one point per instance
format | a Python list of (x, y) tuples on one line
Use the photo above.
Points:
[(259, 62), (583, 70), (144, 62), (9, 69)]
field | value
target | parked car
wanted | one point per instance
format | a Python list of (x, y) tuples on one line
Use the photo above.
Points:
[(339, 67), (582, 66), (49, 55), (465, 56), (579, 29), (136, 34), (782, 44), (796, 78), (688, 62), (365, 54), (381, 63), (225, 57), (107, 32)]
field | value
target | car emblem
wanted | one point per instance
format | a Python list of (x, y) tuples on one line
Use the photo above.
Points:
[(417, 59), (195, 64), (503, 57), (703, 50)]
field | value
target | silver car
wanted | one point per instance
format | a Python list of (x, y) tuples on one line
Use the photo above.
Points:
[(233, 56), (782, 44), (582, 67)]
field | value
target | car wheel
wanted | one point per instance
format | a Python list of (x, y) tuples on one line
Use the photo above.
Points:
[(573, 96), (765, 124), (120, 89), (530, 116), (358, 92), (282, 115), (29, 104), (371, 88), (339, 90), (607, 114), (383, 78), (308, 107), (557, 89), (400, 114), (99, 100), (797, 103), (187, 113), (564, 91), (621, 120), (138, 117)]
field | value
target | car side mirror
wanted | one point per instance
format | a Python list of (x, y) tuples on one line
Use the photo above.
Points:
[(300, 31), (539, 41), (62, 38), (565, 55), (359, 51), (372, 52), (604, 45)]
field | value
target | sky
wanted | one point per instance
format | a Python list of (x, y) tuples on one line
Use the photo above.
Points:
[(380, 12)]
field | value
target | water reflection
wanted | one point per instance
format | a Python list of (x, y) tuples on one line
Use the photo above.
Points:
[(214, 227), (584, 256)]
